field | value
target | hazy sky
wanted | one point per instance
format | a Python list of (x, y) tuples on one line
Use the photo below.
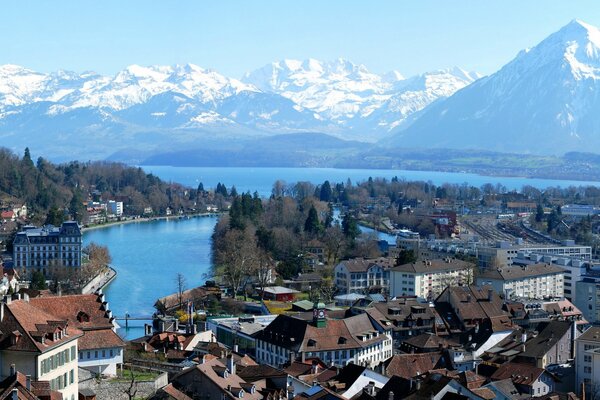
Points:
[(237, 36)]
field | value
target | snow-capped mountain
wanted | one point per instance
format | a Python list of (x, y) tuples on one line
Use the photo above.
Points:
[(352, 97), (146, 107), (546, 100)]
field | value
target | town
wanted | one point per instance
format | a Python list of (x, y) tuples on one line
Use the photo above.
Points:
[(476, 293)]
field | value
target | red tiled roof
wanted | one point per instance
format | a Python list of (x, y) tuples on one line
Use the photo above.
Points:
[(69, 307), (100, 339), (32, 322), (410, 365)]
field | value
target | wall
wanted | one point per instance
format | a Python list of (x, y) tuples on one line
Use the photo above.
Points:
[(111, 390)]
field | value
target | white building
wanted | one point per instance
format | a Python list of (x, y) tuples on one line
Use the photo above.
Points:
[(115, 207), (100, 348), (575, 268), (361, 275), (40, 345), (587, 361), (428, 278), (588, 297), (357, 339), (538, 281)]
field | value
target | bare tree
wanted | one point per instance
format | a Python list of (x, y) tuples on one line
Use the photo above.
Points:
[(131, 390), (181, 286), (236, 257), (334, 244)]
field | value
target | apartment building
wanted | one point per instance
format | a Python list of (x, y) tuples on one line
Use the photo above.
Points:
[(537, 281), (588, 296), (587, 360), (428, 278), (41, 248)]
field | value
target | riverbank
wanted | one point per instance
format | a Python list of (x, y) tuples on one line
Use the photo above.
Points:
[(146, 219), (100, 281)]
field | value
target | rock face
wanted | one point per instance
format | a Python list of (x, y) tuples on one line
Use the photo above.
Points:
[(545, 101)]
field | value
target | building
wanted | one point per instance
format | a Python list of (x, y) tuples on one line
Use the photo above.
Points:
[(537, 281), (48, 246), (587, 297), (409, 317), (100, 348), (528, 379), (428, 278), (279, 293), (18, 386), (579, 210), (358, 339), (503, 253), (469, 306), (552, 345), (361, 275), (40, 345), (587, 361), (239, 333), (575, 268), (115, 208)]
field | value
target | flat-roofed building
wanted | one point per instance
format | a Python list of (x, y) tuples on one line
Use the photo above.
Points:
[(538, 281)]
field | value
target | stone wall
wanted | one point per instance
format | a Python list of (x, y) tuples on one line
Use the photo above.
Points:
[(117, 390)]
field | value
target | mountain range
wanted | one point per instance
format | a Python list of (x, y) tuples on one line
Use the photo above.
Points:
[(544, 101)]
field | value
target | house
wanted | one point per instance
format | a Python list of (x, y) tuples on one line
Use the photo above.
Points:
[(425, 343), (40, 345), (279, 293), (169, 392), (408, 316), (8, 215), (426, 279), (357, 339), (552, 345), (470, 305), (352, 379), (239, 333), (528, 379), (587, 360), (537, 281), (361, 275), (19, 386), (100, 348), (214, 380), (409, 366)]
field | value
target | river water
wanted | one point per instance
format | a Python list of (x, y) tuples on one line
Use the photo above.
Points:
[(148, 255)]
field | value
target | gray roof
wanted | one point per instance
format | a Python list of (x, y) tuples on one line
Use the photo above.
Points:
[(515, 272), (591, 335), (363, 265), (445, 264)]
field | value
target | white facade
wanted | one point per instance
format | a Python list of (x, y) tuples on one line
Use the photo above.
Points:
[(428, 284), (587, 359), (101, 361), (369, 356), (115, 207), (548, 285), (353, 281)]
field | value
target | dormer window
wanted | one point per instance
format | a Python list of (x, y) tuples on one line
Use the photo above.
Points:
[(311, 343), (342, 340), (83, 317)]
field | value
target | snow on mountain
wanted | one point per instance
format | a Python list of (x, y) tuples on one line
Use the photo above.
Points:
[(351, 96), (546, 100)]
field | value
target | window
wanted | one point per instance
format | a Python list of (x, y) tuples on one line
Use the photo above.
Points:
[(88, 355), (111, 352), (96, 354), (103, 353), (72, 376)]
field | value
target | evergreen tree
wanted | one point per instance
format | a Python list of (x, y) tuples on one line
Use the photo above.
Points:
[(326, 192), (539, 213), (54, 217), (350, 226), (27, 161), (233, 192), (76, 207), (38, 281), (406, 257), (312, 224), (200, 187)]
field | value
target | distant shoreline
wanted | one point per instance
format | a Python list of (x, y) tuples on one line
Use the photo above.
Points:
[(145, 219)]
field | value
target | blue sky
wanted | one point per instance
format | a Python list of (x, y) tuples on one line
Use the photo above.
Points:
[(237, 36)]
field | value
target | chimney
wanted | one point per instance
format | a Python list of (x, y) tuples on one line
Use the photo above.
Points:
[(418, 384), (14, 394), (194, 329), (231, 364), (524, 336), (28, 382), (26, 297), (315, 367), (490, 294), (13, 369), (7, 299), (391, 395), (236, 348)]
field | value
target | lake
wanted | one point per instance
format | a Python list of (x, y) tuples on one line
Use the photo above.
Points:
[(148, 255), (262, 179)]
